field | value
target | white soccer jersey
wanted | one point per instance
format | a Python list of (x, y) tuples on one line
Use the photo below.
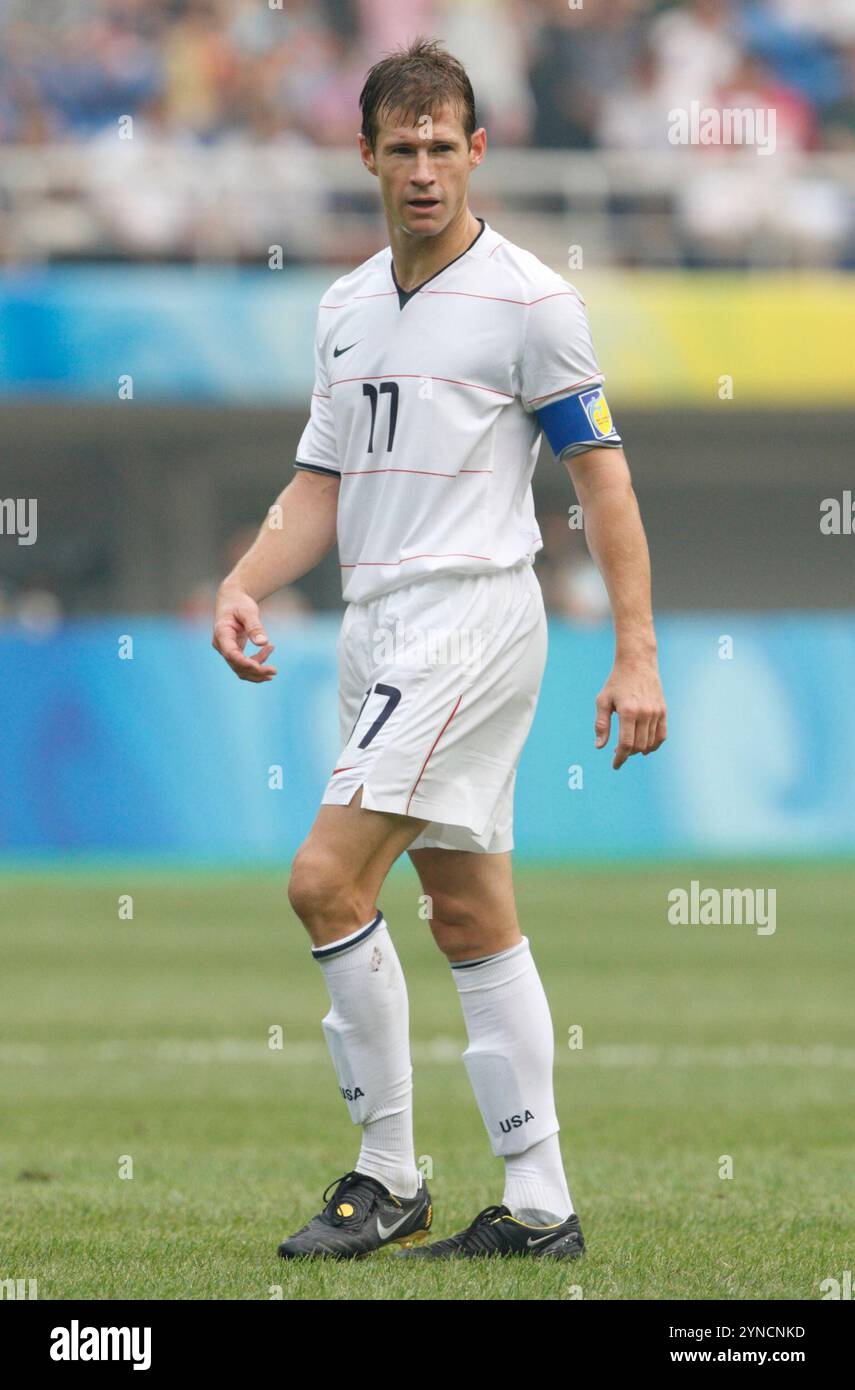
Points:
[(425, 404)]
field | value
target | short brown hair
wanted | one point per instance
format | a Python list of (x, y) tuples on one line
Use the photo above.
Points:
[(417, 80)]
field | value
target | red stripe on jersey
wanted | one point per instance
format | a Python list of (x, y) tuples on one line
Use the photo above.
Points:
[(467, 294), (423, 376), (428, 555), (430, 754), (425, 472), (381, 294), (499, 299), (558, 389)]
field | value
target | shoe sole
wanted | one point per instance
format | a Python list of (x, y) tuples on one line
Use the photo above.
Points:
[(406, 1242), (504, 1254)]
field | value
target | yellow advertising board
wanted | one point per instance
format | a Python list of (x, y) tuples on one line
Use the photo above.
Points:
[(691, 338)]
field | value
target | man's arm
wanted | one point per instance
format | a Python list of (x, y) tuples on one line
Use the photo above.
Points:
[(617, 542), (304, 533)]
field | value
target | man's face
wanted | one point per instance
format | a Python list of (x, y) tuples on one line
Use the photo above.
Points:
[(423, 169)]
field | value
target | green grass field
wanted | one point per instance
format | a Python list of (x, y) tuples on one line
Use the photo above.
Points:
[(149, 1038)]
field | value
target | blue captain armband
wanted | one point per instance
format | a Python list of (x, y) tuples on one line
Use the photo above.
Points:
[(578, 422)]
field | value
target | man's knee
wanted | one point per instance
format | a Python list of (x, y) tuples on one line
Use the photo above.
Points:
[(455, 923), (320, 890), (464, 928), (315, 880)]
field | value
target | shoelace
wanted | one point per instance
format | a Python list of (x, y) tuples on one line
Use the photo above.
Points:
[(362, 1201), (477, 1235)]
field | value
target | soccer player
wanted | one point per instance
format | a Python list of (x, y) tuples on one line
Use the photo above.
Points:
[(439, 362)]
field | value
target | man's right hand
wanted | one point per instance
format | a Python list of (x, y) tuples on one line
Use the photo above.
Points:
[(237, 620)]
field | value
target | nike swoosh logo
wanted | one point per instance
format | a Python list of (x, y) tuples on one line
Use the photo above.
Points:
[(541, 1239), (338, 351), (385, 1231)]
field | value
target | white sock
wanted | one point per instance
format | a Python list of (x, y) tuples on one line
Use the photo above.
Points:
[(535, 1185), (509, 1060), (368, 1034)]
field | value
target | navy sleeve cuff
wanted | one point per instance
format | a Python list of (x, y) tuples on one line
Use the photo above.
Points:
[(317, 468)]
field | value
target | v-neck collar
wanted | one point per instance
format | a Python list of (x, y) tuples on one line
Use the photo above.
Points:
[(404, 296)]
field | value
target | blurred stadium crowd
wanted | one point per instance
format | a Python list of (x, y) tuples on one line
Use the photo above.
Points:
[(547, 73), (215, 87)]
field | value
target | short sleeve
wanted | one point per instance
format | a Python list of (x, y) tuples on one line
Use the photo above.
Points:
[(317, 450), (557, 353)]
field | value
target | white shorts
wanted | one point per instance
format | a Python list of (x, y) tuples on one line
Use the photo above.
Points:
[(439, 682)]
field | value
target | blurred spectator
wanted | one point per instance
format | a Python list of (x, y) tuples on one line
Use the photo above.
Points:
[(578, 57), (383, 27), (696, 49), (799, 44), (839, 119), (33, 606), (144, 198), (286, 605), (572, 585), (497, 68), (741, 210), (634, 116), (38, 611), (833, 19), (754, 87), (200, 69)]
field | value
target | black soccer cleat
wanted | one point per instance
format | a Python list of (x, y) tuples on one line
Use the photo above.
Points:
[(361, 1216), (495, 1231)]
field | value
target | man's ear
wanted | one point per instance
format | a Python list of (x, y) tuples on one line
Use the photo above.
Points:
[(477, 154), (367, 154)]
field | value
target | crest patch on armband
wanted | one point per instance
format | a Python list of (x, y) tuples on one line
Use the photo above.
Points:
[(597, 411)]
